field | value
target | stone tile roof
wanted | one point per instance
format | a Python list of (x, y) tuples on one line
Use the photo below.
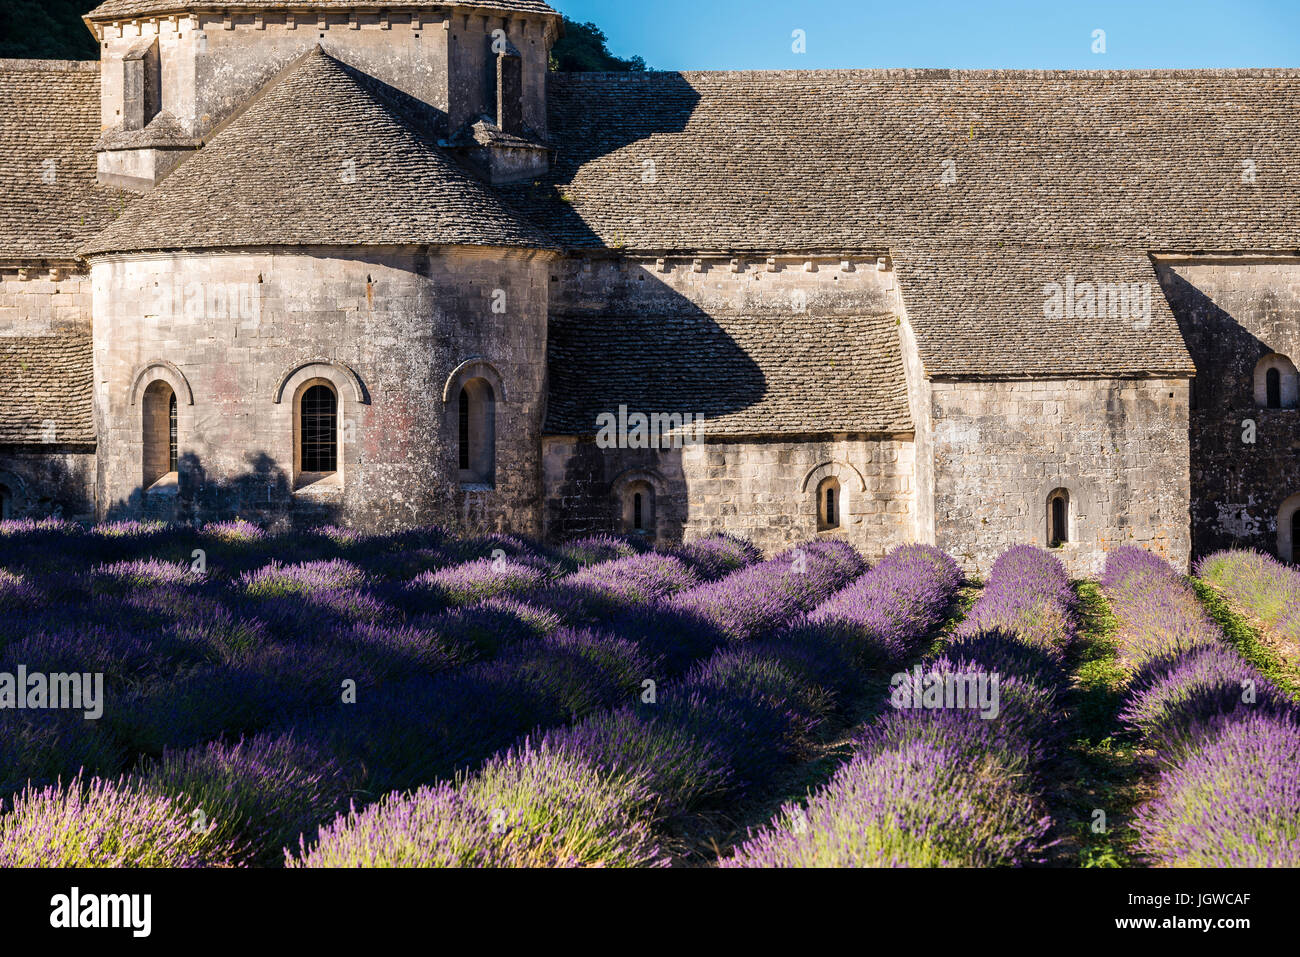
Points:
[(324, 155), (124, 9), (980, 311), (49, 121), (854, 159), (748, 375), (45, 390)]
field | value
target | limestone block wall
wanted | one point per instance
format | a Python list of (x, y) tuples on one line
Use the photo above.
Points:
[(763, 490), (1118, 447), (49, 481), (239, 335), (1235, 311), (44, 300), (210, 63), (760, 478)]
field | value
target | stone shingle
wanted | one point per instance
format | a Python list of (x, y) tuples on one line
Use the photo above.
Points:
[(981, 311), (855, 159), (49, 121), (747, 375), (325, 155), (45, 390)]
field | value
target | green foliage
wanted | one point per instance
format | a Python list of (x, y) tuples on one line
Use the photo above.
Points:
[(46, 30), (1102, 769), (583, 49)]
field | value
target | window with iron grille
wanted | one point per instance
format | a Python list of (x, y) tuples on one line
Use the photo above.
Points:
[(320, 442), (171, 434)]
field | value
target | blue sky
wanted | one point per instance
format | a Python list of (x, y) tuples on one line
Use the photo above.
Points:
[(976, 34)]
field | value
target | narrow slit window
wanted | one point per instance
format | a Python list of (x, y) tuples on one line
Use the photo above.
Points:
[(638, 517), (172, 457), (1273, 387), (464, 434), (829, 503), (1058, 518), (1295, 537)]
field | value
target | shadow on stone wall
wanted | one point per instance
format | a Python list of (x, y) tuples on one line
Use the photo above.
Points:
[(1237, 486), (262, 494), (48, 482)]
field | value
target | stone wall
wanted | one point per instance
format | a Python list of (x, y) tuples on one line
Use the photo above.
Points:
[(210, 64), (761, 489), (49, 481), (245, 334), (1119, 447), (1234, 311), (43, 300)]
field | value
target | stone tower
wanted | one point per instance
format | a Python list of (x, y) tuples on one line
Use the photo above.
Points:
[(174, 72), (319, 310)]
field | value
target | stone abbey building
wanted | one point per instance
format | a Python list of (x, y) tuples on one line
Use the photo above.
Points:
[(332, 261)]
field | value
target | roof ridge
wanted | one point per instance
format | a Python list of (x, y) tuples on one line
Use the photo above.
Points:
[(20, 65), (945, 73)]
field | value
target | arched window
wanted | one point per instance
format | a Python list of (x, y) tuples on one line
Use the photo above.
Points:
[(476, 433), (1058, 518), (159, 435), (1276, 383), (639, 508), (830, 504), (318, 430)]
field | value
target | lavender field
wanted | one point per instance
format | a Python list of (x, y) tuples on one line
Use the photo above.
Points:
[(335, 699)]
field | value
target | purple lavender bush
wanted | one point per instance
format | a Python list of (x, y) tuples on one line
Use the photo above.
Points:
[(529, 807), (948, 784), (1234, 802), (893, 606), (1263, 587), (1159, 615), (277, 580), (259, 793), (594, 549), (1028, 594), (475, 581), (718, 554), (103, 823), (922, 804), (1171, 699), (610, 589), (768, 596)]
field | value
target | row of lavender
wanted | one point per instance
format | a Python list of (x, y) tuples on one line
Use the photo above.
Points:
[(949, 775), (602, 791), (256, 795), (1264, 587), (189, 654), (1226, 740)]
